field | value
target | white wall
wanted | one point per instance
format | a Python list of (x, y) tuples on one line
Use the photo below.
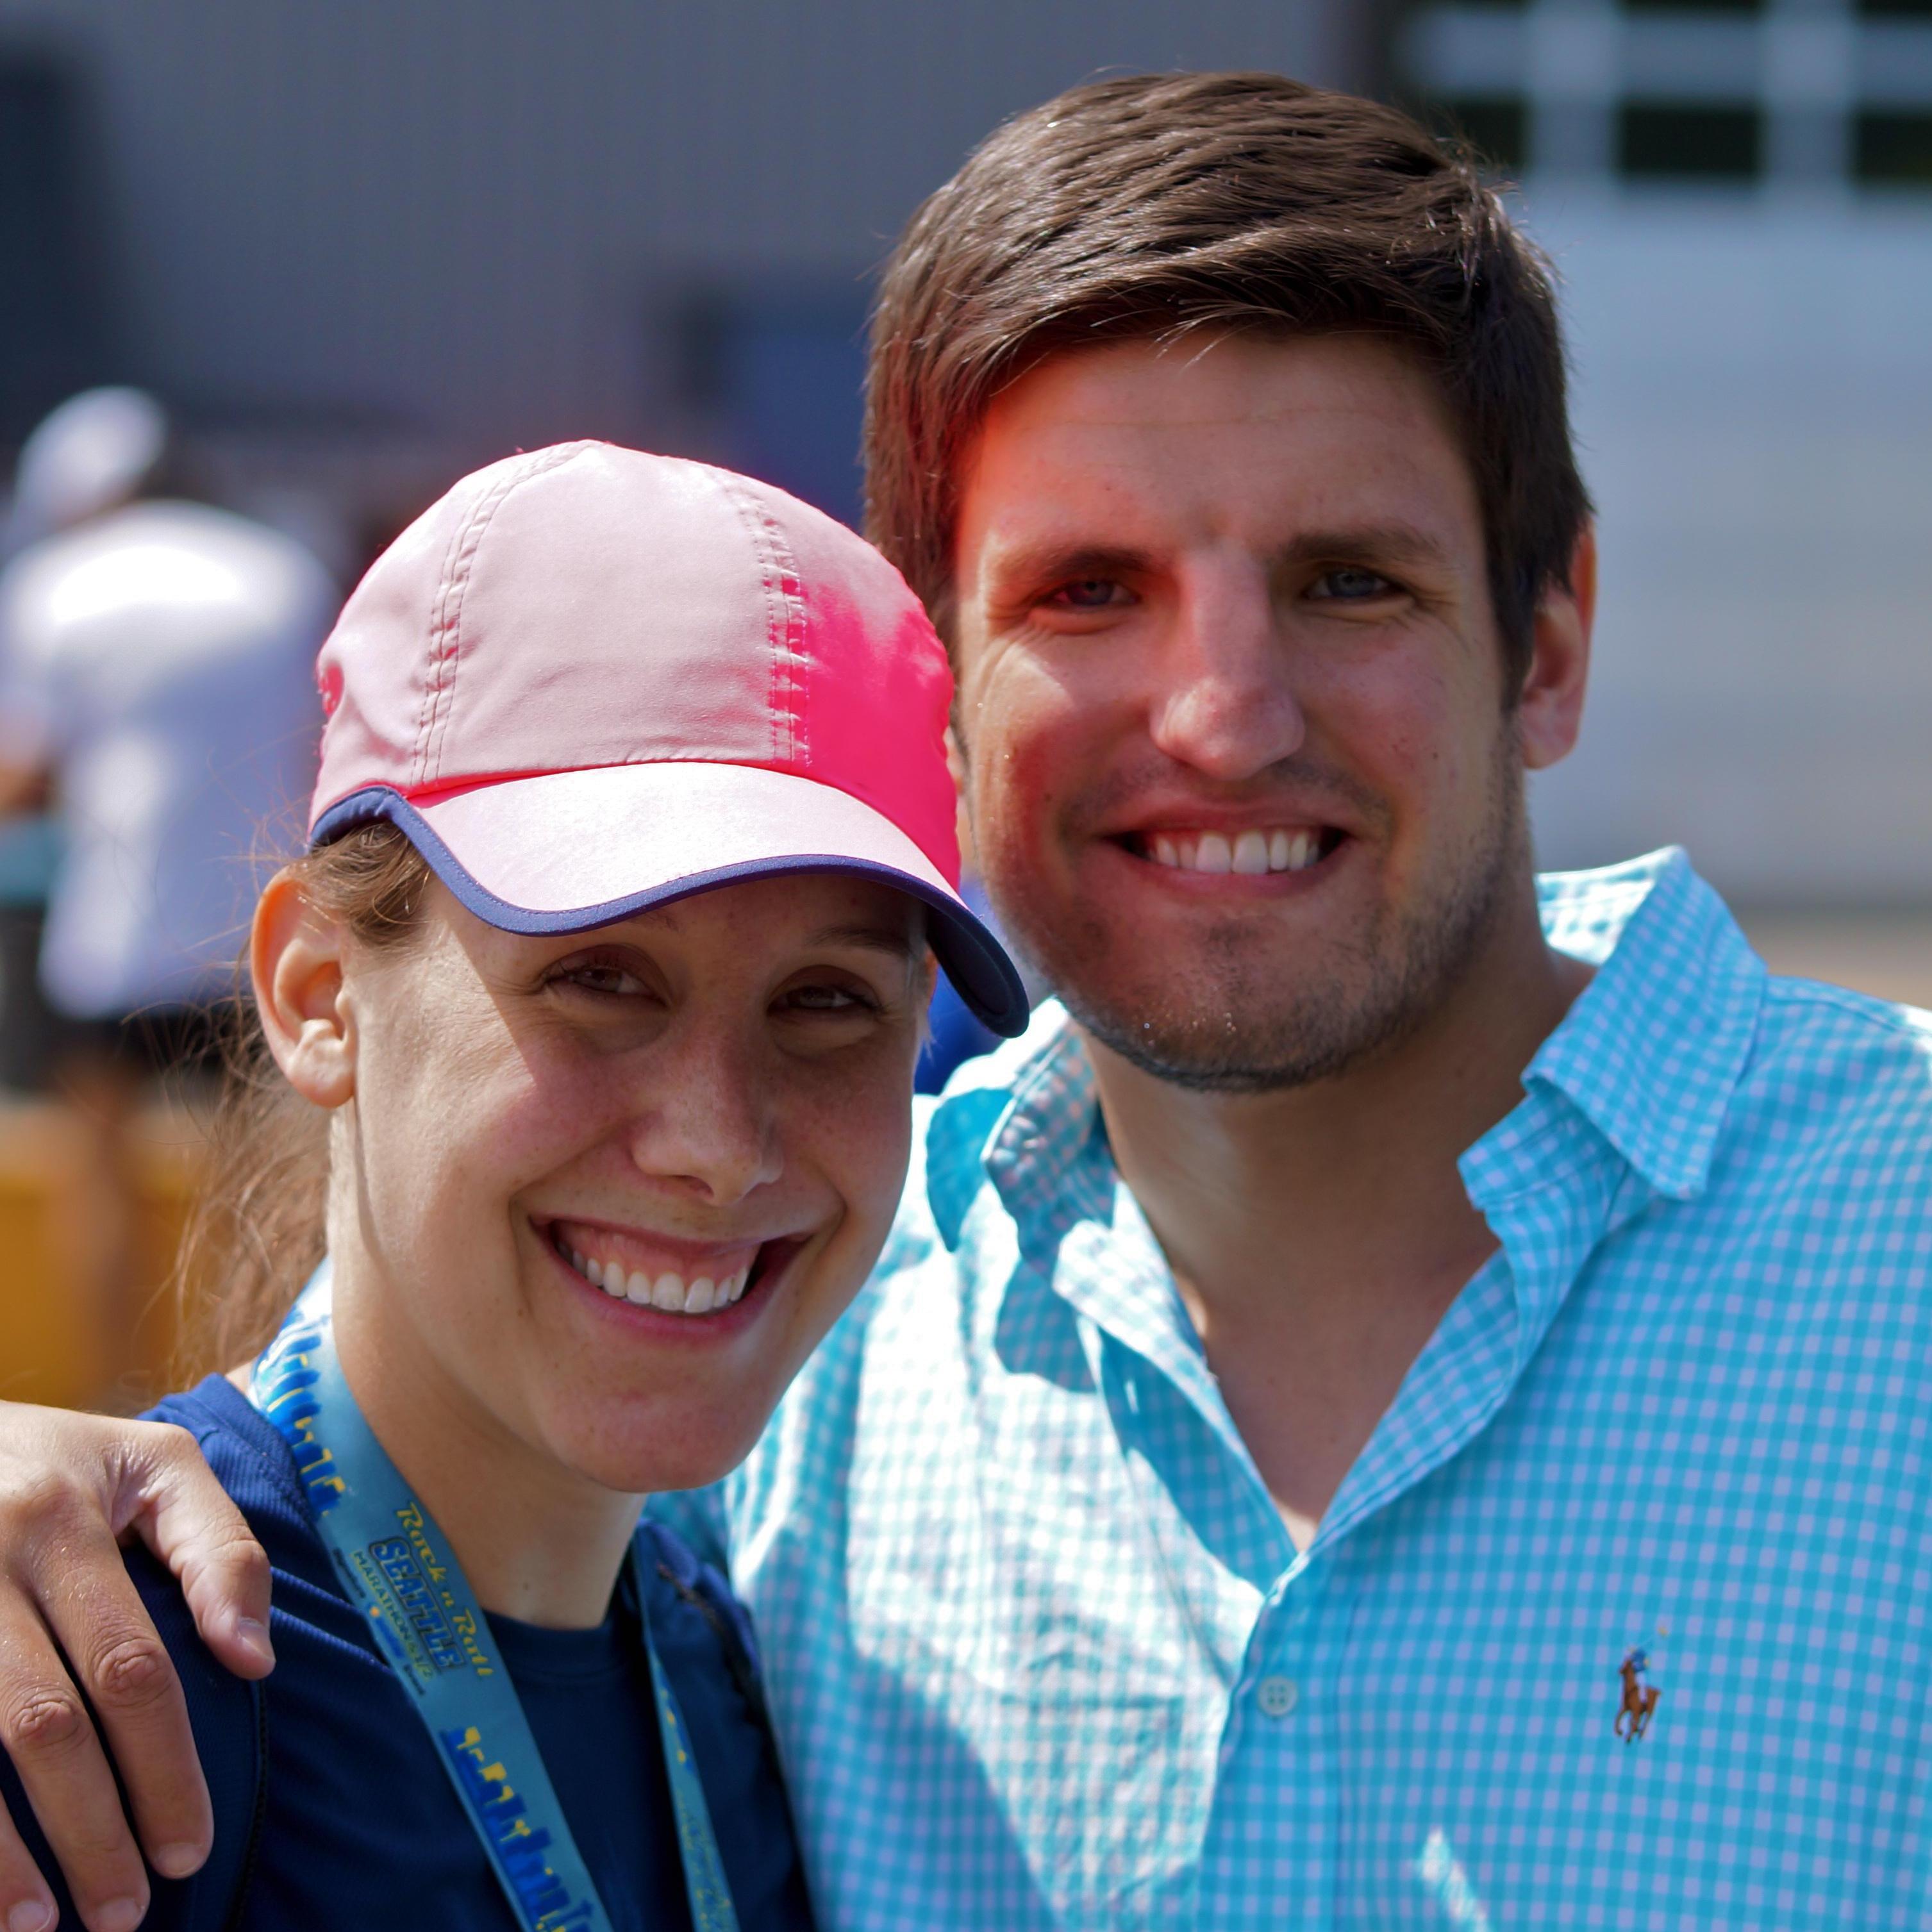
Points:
[(1754, 404)]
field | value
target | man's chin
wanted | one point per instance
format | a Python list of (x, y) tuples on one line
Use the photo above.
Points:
[(1245, 1016), (1218, 1020), (1228, 1047)]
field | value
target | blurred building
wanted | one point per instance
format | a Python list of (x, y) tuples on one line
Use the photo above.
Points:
[(486, 223), (1739, 199), (365, 244)]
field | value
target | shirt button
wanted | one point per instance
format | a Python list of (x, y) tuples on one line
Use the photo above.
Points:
[(1277, 1696)]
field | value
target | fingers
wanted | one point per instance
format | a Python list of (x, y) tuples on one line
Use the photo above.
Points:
[(45, 1730), (115, 1655), (187, 1520), (26, 1905), (69, 1485)]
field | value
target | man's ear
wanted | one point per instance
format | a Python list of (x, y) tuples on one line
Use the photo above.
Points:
[(295, 958), (1549, 712)]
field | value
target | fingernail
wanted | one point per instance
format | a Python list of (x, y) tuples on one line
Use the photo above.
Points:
[(252, 1632), (119, 1915), (30, 1914), (178, 1860)]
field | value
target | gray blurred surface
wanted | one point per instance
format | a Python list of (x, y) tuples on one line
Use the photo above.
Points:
[(1887, 953), (469, 213), (1754, 416)]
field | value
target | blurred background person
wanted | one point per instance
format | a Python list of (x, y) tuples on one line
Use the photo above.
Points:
[(156, 698)]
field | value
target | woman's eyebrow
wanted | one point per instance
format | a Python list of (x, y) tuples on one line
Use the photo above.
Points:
[(895, 940)]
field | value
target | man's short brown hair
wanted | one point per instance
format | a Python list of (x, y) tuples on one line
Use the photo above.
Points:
[(1155, 204)]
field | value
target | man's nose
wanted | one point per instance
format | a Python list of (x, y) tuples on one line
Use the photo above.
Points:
[(1226, 706), (710, 1125)]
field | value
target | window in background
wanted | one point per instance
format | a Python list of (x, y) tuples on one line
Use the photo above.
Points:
[(1789, 94), (778, 375), (1895, 149), (50, 325), (1659, 142), (1496, 127)]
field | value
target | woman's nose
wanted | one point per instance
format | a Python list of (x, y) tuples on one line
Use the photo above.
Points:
[(1228, 708), (709, 1126)]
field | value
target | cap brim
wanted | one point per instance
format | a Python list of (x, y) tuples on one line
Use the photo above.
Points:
[(564, 851)]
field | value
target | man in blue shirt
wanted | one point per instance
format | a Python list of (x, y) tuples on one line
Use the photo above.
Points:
[(1402, 1401)]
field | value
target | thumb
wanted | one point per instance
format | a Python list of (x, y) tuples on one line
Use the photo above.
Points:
[(183, 1514)]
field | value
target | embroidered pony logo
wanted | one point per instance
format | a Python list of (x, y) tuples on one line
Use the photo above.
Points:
[(1639, 1698)]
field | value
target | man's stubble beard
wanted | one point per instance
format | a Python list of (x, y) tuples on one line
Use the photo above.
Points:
[(1244, 1030)]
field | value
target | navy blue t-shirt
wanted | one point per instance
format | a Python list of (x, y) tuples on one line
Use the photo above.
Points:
[(331, 1807)]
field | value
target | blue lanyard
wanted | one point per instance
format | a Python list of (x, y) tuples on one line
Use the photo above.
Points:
[(395, 1563)]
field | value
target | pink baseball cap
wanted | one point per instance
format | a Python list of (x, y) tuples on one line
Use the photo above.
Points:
[(589, 681)]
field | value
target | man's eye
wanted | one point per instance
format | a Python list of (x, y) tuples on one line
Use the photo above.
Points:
[(1086, 593), (1347, 584)]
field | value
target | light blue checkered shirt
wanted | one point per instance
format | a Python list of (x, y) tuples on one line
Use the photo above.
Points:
[(1040, 1652)]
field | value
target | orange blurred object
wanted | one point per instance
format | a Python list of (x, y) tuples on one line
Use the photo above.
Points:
[(58, 1342)]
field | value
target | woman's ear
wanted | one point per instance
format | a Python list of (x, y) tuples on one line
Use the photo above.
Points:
[(295, 958)]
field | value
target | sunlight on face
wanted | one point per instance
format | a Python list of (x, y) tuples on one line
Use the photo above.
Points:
[(1243, 776), (610, 1189)]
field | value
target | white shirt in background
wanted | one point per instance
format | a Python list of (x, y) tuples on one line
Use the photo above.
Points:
[(160, 659)]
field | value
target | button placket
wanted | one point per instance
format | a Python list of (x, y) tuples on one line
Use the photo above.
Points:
[(1277, 1696), (1277, 1778), (1272, 1679)]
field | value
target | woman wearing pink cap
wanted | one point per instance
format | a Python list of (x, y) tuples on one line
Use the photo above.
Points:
[(602, 979)]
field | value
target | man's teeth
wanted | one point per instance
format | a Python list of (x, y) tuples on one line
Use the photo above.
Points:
[(1280, 851), (671, 1292)]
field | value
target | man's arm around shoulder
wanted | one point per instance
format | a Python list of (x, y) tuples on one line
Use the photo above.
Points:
[(77, 1645)]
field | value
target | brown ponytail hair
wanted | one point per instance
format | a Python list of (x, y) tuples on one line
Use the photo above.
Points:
[(258, 1228)]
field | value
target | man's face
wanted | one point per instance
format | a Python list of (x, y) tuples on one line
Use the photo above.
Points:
[(1243, 777)]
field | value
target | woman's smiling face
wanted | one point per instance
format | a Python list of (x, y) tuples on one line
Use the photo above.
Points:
[(607, 1191)]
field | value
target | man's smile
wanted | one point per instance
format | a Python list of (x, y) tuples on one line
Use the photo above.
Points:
[(1252, 851)]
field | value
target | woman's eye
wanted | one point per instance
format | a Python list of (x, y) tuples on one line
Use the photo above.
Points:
[(1348, 584), (1086, 593), (594, 977), (825, 1000)]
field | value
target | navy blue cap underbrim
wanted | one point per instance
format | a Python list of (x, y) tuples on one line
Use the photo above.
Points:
[(973, 958)]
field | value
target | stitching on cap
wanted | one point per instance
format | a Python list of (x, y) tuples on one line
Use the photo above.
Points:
[(439, 617), (784, 618), (788, 669), (445, 634)]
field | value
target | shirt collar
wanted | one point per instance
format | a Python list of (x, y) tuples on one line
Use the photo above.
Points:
[(1651, 1052), (1020, 1116), (1649, 1055)]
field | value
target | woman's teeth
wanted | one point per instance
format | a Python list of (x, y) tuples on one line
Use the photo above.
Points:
[(1280, 851), (671, 1292)]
